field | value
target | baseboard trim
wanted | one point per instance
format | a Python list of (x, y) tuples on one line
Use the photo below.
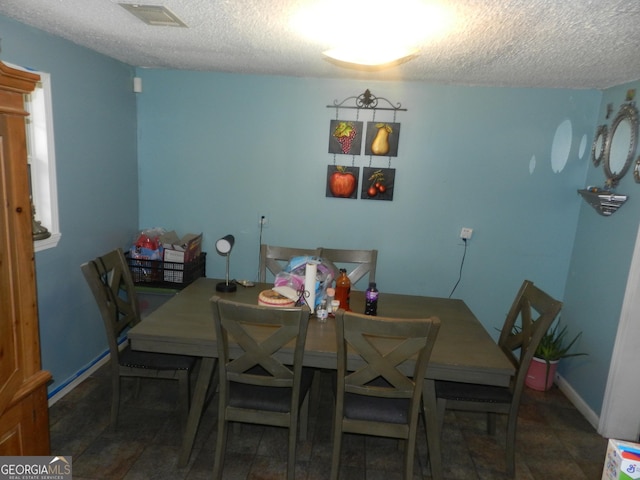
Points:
[(78, 378), (577, 401)]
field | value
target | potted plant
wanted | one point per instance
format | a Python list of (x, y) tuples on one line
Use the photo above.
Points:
[(551, 349)]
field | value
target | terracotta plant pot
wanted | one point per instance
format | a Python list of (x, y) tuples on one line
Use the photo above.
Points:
[(538, 378)]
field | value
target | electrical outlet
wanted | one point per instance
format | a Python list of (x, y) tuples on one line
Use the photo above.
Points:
[(466, 233), (263, 221)]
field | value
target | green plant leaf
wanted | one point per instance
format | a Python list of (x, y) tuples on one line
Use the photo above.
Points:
[(553, 345)]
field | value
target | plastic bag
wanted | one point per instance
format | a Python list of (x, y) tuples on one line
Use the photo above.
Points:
[(147, 245), (293, 277)]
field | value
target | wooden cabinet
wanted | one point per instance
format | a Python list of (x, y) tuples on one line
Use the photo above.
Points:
[(24, 416)]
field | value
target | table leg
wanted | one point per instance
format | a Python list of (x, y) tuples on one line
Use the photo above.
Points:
[(433, 428), (207, 366)]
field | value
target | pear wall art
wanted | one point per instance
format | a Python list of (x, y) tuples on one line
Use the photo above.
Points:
[(382, 139)]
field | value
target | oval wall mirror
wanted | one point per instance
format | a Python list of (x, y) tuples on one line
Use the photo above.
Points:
[(597, 149), (621, 143)]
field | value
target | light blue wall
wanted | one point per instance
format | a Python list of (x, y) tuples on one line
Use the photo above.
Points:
[(218, 150), (598, 272), (95, 133)]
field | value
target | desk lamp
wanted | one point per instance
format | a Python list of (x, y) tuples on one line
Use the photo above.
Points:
[(223, 247)]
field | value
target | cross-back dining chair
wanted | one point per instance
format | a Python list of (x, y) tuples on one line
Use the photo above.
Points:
[(274, 258), (256, 385), (112, 286), (364, 261), (381, 367), (529, 317)]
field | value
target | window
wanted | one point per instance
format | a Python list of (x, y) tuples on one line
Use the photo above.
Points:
[(41, 158)]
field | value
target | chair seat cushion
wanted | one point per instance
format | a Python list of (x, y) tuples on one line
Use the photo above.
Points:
[(154, 361), (472, 392), (272, 399), (377, 409)]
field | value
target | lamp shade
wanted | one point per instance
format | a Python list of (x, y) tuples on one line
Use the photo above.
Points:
[(225, 244), (224, 247)]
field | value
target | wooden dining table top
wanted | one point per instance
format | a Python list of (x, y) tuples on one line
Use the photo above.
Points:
[(464, 351)]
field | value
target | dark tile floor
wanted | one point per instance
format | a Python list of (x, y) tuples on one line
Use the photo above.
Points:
[(554, 441)]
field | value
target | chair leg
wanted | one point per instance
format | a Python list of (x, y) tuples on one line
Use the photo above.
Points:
[(221, 445), (441, 406), (314, 392), (434, 410), (491, 423), (304, 417), (409, 454), (184, 392), (291, 458), (511, 445), (115, 400), (335, 456), (423, 414)]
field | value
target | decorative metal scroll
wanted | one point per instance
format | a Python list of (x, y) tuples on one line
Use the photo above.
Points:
[(367, 100)]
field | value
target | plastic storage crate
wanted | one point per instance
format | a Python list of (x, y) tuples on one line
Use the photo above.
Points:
[(156, 273)]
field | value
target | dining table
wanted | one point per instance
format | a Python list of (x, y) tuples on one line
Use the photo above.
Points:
[(463, 352)]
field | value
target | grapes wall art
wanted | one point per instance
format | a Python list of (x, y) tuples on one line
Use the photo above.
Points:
[(345, 137)]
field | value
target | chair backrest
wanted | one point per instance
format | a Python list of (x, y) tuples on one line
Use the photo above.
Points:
[(274, 258), (112, 286), (530, 316), (384, 357), (260, 334), (365, 261)]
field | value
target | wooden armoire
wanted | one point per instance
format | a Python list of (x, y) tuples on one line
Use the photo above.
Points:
[(24, 414)]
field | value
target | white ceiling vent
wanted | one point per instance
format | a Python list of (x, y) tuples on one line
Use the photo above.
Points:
[(155, 15)]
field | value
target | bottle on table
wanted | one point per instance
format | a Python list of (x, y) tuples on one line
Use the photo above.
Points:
[(343, 289), (371, 300), (321, 311), (331, 292)]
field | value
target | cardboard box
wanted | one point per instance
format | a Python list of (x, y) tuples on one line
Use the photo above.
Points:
[(622, 461), (181, 250)]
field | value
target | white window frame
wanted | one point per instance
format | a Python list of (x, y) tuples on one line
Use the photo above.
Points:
[(42, 158)]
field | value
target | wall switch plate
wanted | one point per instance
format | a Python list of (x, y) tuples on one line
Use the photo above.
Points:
[(466, 233)]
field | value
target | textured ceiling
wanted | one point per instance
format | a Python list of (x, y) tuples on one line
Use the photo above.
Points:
[(521, 43)]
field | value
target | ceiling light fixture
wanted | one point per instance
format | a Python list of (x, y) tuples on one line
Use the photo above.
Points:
[(376, 57), (391, 33)]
